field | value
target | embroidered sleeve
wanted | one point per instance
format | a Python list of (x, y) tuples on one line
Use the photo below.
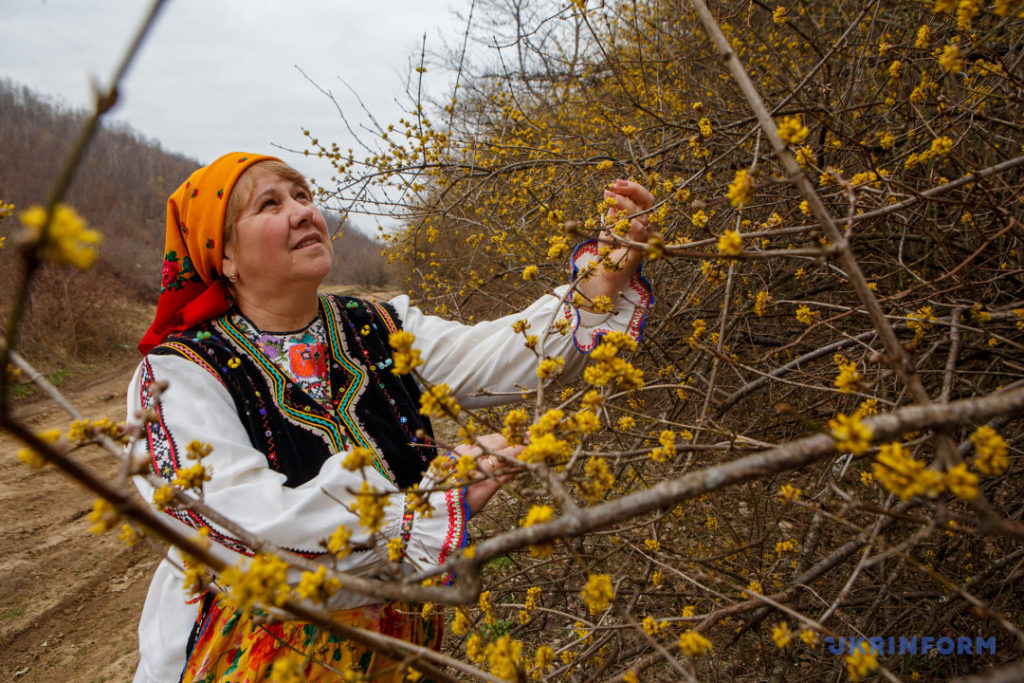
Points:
[(243, 489), (489, 363)]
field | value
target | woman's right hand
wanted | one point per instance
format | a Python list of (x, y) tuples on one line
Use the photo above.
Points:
[(490, 468)]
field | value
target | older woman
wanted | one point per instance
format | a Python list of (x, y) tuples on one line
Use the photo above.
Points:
[(284, 384)]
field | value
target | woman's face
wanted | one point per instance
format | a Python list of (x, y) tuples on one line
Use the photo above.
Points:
[(279, 240)]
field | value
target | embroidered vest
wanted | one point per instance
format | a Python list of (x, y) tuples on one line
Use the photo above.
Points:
[(370, 406)]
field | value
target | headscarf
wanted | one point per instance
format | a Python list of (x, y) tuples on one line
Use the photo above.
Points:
[(191, 287)]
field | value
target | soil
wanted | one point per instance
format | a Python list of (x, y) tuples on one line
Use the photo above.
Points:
[(69, 600)]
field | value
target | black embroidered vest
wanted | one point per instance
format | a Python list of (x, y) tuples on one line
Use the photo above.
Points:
[(372, 407)]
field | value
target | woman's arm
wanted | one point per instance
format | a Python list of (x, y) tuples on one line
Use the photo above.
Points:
[(489, 363), (242, 487)]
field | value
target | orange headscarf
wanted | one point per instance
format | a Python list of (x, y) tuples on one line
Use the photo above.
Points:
[(191, 286)]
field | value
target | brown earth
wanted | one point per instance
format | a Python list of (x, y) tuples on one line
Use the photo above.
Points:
[(69, 600)]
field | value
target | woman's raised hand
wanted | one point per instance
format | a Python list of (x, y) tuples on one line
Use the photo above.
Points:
[(489, 466), (630, 199)]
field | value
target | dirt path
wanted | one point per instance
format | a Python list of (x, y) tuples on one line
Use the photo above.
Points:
[(69, 600)]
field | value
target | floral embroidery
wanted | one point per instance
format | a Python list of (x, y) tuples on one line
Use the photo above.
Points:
[(302, 356), (176, 273)]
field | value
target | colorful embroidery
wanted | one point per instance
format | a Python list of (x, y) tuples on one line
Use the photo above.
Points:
[(176, 272)]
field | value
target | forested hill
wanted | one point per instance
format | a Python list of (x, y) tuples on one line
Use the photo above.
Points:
[(121, 189)]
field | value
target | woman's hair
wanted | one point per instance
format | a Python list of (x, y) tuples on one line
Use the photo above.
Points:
[(245, 185)]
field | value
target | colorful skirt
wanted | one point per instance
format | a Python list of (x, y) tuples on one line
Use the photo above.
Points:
[(234, 646)]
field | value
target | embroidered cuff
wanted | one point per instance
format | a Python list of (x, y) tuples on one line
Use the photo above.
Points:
[(436, 538), (629, 310)]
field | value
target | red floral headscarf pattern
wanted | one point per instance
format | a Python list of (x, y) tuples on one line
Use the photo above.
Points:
[(191, 288)]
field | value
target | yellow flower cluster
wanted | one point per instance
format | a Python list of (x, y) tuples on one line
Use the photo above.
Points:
[(606, 366), (761, 302), (780, 15), (192, 477), (781, 635), (405, 357), (990, 451), (903, 475), (598, 592), (503, 657), (805, 315), (667, 449), (850, 433), (357, 459), (68, 241), (694, 644), (265, 581), (861, 662), (103, 516), (32, 458), (950, 58), (530, 272), (792, 130), (730, 243), (197, 450), (920, 321), (549, 367), (597, 480), (437, 401), (741, 189), (317, 586), (789, 494), (848, 379), (369, 505), (338, 542)]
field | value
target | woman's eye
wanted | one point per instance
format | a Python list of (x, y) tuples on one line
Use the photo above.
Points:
[(266, 204)]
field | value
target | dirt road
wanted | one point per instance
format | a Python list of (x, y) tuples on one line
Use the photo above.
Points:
[(69, 600)]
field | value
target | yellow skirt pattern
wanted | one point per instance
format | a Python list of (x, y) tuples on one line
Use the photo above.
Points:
[(232, 646)]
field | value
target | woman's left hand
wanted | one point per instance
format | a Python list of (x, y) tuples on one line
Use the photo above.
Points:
[(490, 467), (630, 199)]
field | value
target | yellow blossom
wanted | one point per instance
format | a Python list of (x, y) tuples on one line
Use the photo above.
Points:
[(597, 480), (68, 241), (901, 474), (950, 59), (103, 516), (781, 15), (192, 477), (741, 189), (396, 549), (475, 648), (163, 496), (405, 357), (530, 272), (437, 401), (264, 580), (461, 623), (730, 243), (961, 482), (317, 586), (338, 542), (805, 315), (809, 637), (861, 662), (598, 592), (792, 130), (850, 433), (358, 458), (761, 302), (694, 644), (990, 451), (549, 367), (805, 157), (369, 505), (848, 379), (515, 423), (781, 635)]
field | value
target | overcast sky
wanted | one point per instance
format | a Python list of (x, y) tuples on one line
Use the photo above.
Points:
[(220, 75)]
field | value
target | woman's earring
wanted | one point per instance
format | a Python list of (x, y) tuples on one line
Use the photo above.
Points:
[(233, 277)]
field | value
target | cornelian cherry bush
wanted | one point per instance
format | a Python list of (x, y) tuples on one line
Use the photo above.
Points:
[(810, 465), (818, 437)]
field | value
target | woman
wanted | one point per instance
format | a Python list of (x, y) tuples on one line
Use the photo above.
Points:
[(285, 384)]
